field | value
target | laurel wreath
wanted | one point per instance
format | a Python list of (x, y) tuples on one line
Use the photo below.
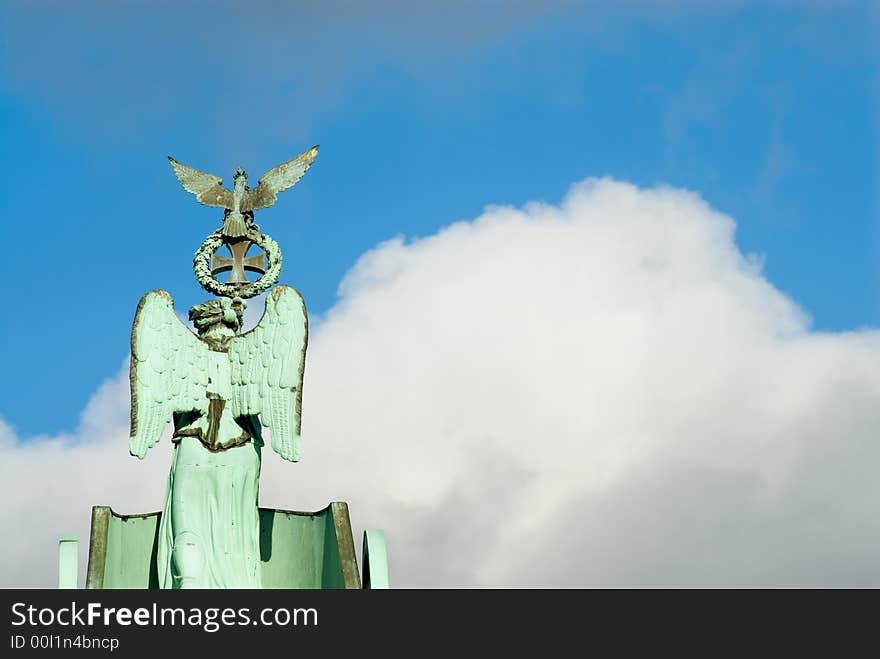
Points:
[(202, 266)]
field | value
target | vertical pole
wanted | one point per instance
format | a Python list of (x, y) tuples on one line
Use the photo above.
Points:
[(375, 560), (67, 561), (345, 543)]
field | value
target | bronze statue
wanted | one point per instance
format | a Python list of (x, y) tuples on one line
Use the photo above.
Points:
[(220, 388), (241, 202)]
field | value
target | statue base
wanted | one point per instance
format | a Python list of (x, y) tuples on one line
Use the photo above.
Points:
[(297, 550)]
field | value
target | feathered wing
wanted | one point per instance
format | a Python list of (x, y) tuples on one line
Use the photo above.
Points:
[(169, 370), (207, 188), (267, 365), (277, 179)]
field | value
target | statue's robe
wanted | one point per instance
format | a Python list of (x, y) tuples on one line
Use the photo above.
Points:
[(209, 535)]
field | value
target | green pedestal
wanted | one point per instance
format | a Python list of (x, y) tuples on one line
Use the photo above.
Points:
[(297, 549)]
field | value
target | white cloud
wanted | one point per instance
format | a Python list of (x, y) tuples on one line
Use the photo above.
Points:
[(603, 392), (50, 484)]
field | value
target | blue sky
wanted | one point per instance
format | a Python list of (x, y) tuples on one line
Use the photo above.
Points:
[(769, 111)]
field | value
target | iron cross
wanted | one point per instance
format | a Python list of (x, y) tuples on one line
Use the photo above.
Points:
[(238, 264)]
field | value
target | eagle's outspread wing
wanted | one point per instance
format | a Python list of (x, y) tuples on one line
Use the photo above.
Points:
[(207, 188), (169, 370), (267, 366), (277, 179)]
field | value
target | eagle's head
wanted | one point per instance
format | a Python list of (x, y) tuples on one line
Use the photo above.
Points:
[(239, 180)]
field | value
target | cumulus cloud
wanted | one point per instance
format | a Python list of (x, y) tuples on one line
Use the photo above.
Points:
[(603, 392)]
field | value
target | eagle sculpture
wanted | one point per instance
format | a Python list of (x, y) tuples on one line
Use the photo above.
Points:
[(241, 201)]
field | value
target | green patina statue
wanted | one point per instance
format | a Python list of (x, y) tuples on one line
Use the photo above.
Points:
[(215, 387), (220, 388)]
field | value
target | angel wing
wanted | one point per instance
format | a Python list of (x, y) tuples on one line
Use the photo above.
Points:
[(169, 370), (277, 179), (267, 366), (207, 188)]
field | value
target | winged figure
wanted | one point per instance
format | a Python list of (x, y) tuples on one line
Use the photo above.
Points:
[(241, 201), (218, 386)]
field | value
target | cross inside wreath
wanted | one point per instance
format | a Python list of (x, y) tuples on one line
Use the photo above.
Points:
[(239, 263)]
